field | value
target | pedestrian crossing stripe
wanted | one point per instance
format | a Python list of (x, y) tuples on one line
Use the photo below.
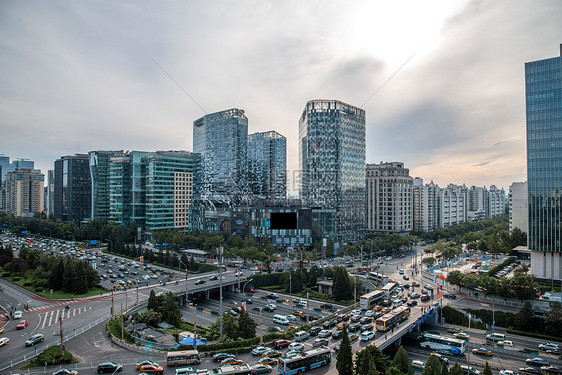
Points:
[(51, 317)]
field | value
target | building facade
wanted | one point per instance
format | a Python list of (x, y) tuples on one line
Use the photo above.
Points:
[(73, 188), (519, 206), (99, 175), (543, 94), (453, 205), (267, 164), (332, 163), (222, 140), (24, 192), (389, 198), (425, 200)]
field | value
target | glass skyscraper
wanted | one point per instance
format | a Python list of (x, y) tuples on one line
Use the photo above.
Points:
[(73, 188), (332, 162), (222, 140), (267, 164), (99, 174), (543, 93)]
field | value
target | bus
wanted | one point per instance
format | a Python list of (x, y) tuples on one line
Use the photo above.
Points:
[(371, 299), (183, 357), (309, 360), (388, 289), (244, 369), (442, 343), (378, 278), (393, 318)]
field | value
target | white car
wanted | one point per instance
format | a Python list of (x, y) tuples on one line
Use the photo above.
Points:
[(506, 343), (18, 315), (507, 372), (4, 341), (548, 346), (324, 333), (369, 313), (259, 350), (295, 346), (367, 335)]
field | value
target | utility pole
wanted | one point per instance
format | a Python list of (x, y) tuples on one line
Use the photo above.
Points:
[(126, 298), (238, 273), (355, 289), (137, 292), (261, 327), (307, 310), (220, 249), (61, 337), (112, 306), (122, 328), (194, 327)]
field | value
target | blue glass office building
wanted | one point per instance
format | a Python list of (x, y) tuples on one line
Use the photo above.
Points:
[(543, 90), (267, 164), (222, 140), (332, 161)]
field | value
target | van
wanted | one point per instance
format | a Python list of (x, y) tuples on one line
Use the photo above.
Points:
[(401, 272), (280, 319), (495, 337), (301, 336)]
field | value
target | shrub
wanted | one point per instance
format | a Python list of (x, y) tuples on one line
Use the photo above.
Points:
[(27, 283), (52, 355), (15, 278), (6, 274)]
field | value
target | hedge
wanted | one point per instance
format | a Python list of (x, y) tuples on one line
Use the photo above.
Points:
[(457, 317), (532, 334), (268, 279), (506, 319), (52, 355)]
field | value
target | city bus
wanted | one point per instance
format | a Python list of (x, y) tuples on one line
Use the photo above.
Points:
[(393, 318), (371, 299), (183, 357), (442, 343), (378, 278), (309, 360), (388, 289)]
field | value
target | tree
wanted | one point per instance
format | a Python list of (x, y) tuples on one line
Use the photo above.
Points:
[(371, 354), (342, 286), (456, 370), (432, 366), (344, 363), (524, 316), (523, 286), (372, 368), (487, 370), (246, 325), (153, 301), (402, 362), (393, 370), (444, 369), (229, 327), (170, 310), (455, 277), (553, 321), (429, 261)]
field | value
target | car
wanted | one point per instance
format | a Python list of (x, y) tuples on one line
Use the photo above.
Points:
[(18, 315), (355, 318), (354, 327), (428, 287), (425, 298), (548, 346), (291, 328), (455, 330), (469, 370), (415, 283), (4, 341), (370, 313), (377, 308), (272, 353), (367, 335), (35, 339), (324, 333), (146, 362), (367, 327), (505, 343), (296, 347), (151, 369), (412, 303), (298, 313), (314, 331), (22, 324), (507, 372), (250, 290), (109, 367), (336, 335), (200, 281), (386, 310), (555, 370), (259, 350), (415, 295), (405, 277), (65, 371), (450, 296), (482, 351), (537, 362), (231, 361), (249, 300), (366, 320), (269, 308), (2, 330), (319, 342), (417, 364), (221, 356), (268, 361), (340, 325), (462, 336), (441, 357), (279, 344), (352, 337), (327, 306), (214, 277), (292, 354), (272, 296), (260, 369), (529, 371)]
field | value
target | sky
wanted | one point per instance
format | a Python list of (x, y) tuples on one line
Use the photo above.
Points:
[(442, 82)]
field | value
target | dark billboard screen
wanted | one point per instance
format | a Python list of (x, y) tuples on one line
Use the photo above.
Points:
[(283, 220)]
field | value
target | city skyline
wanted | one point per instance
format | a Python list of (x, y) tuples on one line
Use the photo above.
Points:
[(86, 76)]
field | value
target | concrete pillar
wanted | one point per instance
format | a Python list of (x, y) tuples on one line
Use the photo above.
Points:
[(207, 294)]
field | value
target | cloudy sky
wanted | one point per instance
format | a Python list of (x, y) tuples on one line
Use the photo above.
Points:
[(84, 75)]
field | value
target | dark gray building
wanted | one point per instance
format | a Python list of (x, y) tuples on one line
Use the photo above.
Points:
[(73, 188)]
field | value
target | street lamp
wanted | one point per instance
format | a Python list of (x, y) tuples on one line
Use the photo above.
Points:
[(185, 265), (111, 245), (72, 236)]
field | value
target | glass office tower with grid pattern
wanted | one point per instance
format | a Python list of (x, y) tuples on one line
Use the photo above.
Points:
[(543, 95), (332, 162), (267, 164)]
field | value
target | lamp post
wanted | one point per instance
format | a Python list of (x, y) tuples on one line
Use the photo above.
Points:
[(186, 299), (72, 236), (220, 250)]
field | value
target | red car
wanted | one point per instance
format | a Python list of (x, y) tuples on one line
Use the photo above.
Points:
[(151, 369), (251, 290), (279, 344), (22, 324)]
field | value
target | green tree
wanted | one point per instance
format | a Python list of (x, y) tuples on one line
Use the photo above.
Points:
[(153, 301), (444, 369), (456, 370), (553, 320), (393, 370), (372, 368), (429, 261), (524, 316), (402, 362), (170, 309), (455, 278), (432, 366), (229, 327), (487, 370), (246, 325), (344, 363), (523, 286), (342, 286), (371, 354)]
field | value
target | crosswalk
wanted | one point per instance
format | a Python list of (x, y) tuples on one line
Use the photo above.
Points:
[(51, 317)]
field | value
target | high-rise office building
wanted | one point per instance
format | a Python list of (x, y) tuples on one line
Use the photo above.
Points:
[(73, 188), (24, 192), (51, 192), (425, 200), (389, 198), (453, 205), (543, 94), (222, 140), (519, 206), (267, 164), (99, 175), (5, 167), (332, 163)]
